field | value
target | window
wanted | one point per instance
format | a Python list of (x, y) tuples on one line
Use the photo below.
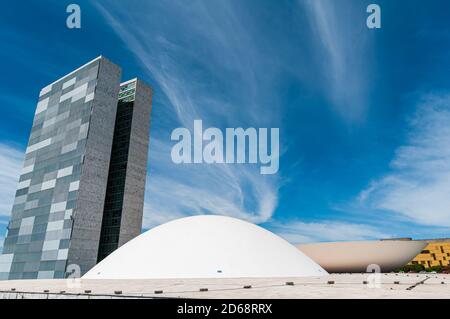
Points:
[(110, 232)]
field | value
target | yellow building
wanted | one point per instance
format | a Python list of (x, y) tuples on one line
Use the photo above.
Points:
[(437, 253)]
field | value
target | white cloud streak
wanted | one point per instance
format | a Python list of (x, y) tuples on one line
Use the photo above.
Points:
[(174, 191), (418, 185), (11, 161), (217, 47), (298, 232), (215, 42), (341, 48)]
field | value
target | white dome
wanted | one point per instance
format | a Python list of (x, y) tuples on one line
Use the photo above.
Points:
[(205, 247)]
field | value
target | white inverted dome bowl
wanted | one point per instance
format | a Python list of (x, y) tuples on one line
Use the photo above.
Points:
[(206, 247)]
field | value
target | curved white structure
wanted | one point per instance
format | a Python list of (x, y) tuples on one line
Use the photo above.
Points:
[(205, 247), (356, 256)]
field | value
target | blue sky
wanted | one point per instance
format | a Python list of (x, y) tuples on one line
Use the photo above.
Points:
[(364, 115)]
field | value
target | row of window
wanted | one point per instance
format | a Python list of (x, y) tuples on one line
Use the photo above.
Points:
[(112, 214)]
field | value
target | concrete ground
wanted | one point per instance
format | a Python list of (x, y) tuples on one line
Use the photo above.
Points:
[(391, 286)]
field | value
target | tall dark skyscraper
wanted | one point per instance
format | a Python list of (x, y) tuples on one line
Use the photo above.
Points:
[(81, 189), (122, 218)]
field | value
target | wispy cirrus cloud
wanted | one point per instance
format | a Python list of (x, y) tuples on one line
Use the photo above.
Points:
[(418, 184), (174, 191), (210, 71), (298, 232), (341, 48), (11, 161), (168, 199)]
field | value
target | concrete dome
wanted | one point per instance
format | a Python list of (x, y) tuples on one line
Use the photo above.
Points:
[(206, 247)]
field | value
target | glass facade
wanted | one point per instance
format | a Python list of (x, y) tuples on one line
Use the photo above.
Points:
[(81, 190), (39, 231), (110, 233)]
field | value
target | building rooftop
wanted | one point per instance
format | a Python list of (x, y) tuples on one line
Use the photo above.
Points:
[(436, 240), (393, 286), (75, 71)]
